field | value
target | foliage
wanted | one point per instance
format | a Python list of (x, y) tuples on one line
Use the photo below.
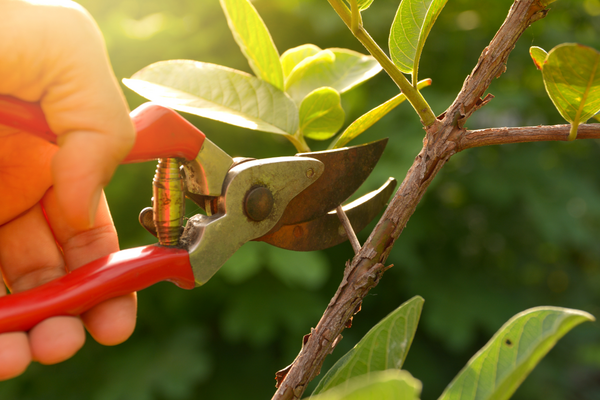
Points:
[(500, 230), (384, 347), (572, 77), (384, 385), (308, 76), (413, 22), (498, 369)]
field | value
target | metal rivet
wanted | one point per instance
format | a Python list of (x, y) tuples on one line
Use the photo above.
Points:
[(309, 173), (259, 203), (298, 231)]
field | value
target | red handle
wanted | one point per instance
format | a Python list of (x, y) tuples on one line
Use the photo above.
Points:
[(161, 132), (111, 276)]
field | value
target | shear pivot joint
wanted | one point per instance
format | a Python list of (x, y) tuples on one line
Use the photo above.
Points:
[(259, 203)]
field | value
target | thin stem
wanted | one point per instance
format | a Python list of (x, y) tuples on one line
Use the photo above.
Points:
[(573, 131), (299, 143), (415, 98), (348, 228), (356, 17)]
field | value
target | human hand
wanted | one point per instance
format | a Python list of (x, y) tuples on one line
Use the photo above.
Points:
[(53, 215)]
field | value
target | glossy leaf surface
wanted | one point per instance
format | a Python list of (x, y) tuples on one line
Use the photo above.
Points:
[(384, 347), (219, 93), (538, 55), (321, 114), (252, 35), (498, 369), (572, 78), (412, 24), (340, 69), (381, 385), (367, 120)]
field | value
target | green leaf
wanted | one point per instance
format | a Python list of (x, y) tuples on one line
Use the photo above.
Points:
[(572, 78), (217, 92), (367, 120), (498, 369), (321, 114), (538, 55), (412, 24), (392, 384), (597, 116), (341, 69), (293, 57), (252, 35), (385, 346), (362, 4)]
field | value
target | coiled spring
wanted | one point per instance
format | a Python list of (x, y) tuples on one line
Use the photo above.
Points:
[(168, 201)]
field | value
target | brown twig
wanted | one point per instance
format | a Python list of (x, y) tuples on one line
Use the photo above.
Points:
[(524, 134), (443, 139), (348, 228)]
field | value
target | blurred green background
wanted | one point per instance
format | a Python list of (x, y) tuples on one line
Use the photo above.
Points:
[(501, 229)]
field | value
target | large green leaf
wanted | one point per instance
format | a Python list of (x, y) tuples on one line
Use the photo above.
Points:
[(498, 369), (219, 93), (341, 69), (321, 114), (412, 24), (292, 57), (385, 346), (572, 78), (367, 120), (392, 384), (252, 35)]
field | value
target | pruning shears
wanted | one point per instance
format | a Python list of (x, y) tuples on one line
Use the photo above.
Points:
[(288, 202)]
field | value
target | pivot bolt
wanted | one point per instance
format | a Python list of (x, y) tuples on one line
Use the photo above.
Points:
[(259, 203)]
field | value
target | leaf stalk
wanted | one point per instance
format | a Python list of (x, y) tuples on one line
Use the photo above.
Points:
[(299, 143), (415, 97)]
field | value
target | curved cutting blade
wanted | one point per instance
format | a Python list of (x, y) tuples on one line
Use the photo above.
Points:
[(327, 231), (345, 171)]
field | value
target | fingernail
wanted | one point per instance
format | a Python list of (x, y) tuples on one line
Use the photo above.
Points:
[(94, 201)]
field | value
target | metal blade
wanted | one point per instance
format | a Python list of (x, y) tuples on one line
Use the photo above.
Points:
[(327, 231), (345, 171)]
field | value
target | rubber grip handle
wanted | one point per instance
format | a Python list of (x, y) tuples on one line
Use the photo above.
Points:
[(115, 275), (161, 132)]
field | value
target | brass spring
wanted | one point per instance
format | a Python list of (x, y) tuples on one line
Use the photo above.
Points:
[(168, 201)]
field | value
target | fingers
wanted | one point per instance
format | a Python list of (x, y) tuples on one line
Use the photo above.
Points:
[(25, 162), (29, 257), (14, 354), (14, 351), (90, 116), (69, 73), (112, 321)]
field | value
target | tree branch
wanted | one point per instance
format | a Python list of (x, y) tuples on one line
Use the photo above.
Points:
[(443, 139), (523, 134)]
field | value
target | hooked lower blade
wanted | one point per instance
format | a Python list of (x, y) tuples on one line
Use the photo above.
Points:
[(327, 231), (345, 171)]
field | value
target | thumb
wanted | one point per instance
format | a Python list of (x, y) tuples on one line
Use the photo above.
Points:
[(56, 55), (81, 168), (85, 107)]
